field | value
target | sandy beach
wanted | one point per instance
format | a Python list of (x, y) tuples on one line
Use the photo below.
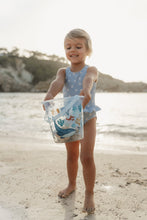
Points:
[(32, 172)]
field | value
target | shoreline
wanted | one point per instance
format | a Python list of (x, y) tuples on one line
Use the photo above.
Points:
[(32, 174), (35, 143)]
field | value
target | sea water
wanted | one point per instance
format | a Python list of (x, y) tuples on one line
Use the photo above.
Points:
[(121, 123)]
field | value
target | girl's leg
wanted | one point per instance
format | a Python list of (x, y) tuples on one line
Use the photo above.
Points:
[(87, 160), (72, 167)]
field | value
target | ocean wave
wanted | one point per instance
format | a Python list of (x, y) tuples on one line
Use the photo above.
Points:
[(128, 131), (129, 126), (125, 134)]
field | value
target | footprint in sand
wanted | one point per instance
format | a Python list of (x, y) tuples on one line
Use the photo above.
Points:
[(133, 174), (136, 181), (116, 173)]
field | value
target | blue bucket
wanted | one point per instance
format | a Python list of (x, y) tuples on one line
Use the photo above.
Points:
[(65, 117)]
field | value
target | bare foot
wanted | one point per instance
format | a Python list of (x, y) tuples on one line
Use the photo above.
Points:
[(67, 191), (89, 206)]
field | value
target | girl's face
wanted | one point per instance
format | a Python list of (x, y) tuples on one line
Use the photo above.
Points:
[(75, 50)]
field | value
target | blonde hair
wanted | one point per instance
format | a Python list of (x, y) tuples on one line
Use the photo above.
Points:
[(80, 33)]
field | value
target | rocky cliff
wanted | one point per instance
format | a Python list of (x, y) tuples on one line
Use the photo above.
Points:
[(15, 79)]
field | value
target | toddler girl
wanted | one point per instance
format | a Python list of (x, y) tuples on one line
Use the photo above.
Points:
[(79, 79)]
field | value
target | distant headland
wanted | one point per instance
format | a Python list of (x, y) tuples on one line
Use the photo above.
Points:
[(33, 72)]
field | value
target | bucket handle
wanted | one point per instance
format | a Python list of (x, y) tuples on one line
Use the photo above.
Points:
[(75, 98)]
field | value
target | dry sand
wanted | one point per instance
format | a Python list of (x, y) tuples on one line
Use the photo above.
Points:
[(32, 172)]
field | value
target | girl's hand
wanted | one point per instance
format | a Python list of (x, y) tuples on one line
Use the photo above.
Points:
[(49, 96), (87, 97)]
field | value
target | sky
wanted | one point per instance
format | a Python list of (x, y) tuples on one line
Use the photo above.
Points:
[(118, 29)]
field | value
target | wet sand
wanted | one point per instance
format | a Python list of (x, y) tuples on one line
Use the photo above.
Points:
[(33, 172)]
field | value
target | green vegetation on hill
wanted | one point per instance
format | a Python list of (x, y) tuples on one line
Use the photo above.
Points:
[(40, 65)]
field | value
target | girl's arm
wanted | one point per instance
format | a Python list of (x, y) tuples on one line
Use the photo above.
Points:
[(57, 85), (90, 77)]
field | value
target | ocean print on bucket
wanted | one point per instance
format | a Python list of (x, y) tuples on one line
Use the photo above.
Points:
[(65, 117)]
